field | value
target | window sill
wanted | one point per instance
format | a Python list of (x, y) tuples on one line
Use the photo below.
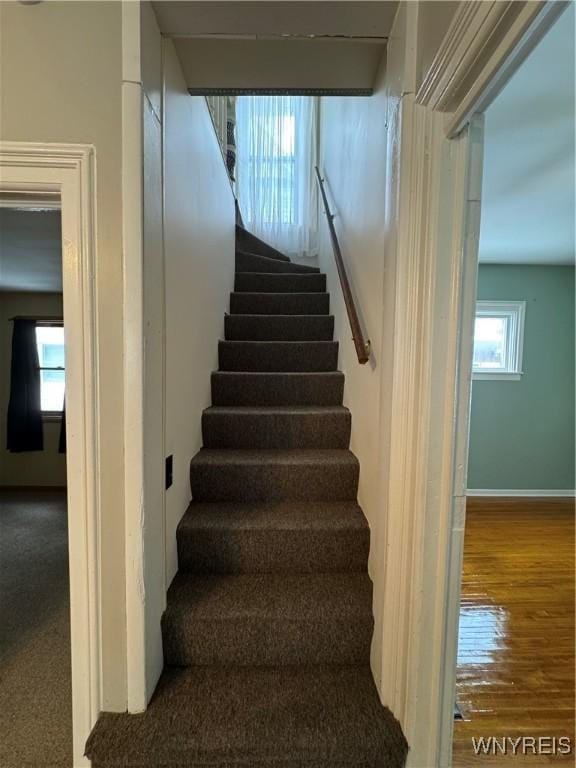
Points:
[(496, 376), (51, 415)]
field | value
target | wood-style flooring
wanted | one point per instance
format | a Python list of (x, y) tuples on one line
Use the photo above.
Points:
[(515, 672)]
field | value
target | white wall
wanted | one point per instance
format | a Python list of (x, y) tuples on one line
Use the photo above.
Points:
[(60, 65), (199, 272), (353, 161), (144, 350), (37, 468)]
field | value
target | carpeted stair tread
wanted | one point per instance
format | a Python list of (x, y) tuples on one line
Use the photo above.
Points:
[(279, 327), (268, 619), (271, 389), (246, 303), (276, 427), (245, 717), (274, 475), (251, 262), (246, 241), (273, 356), (262, 282), (317, 537)]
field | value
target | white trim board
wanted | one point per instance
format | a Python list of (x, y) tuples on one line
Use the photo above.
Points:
[(483, 47), (68, 171), (437, 196), (537, 494)]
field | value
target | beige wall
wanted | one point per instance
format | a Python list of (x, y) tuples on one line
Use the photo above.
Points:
[(199, 274), (60, 72), (353, 161), (281, 63), (47, 467)]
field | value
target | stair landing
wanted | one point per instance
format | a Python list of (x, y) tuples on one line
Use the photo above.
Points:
[(252, 717)]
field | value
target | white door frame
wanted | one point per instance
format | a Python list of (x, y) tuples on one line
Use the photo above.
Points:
[(67, 171), (436, 242)]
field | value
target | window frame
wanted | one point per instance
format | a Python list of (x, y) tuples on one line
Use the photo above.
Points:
[(515, 312), (50, 415)]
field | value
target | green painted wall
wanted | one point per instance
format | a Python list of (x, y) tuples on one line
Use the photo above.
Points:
[(522, 432)]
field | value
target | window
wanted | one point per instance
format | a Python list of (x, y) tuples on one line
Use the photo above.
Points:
[(50, 342), (498, 340), (276, 140)]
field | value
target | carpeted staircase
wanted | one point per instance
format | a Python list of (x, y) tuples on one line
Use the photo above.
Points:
[(269, 620)]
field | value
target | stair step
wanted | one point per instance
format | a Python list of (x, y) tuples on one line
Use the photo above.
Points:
[(294, 537), (254, 717), (274, 475), (269, 356), (262, 282), (279, 427), (279, 303), (251, 262), (241, 388), (246, 241), (268, 619), (279, 327)]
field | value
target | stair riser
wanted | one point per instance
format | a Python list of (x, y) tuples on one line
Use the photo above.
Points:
[(266, 642), (279, 303), (277, 389), (273, 551), (246, 282), (290, 430), (279, 328), (253, 482), (314, 356), (251, 262)]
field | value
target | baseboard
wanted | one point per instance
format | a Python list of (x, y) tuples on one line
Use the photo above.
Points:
[(538, 494)]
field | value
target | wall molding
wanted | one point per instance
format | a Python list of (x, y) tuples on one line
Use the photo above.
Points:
[(542, 493), (485, 44), (421, 468), (436, 200), (68, 170), (468, 34)]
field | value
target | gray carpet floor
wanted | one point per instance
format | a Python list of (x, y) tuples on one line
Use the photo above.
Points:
[(35, 680)]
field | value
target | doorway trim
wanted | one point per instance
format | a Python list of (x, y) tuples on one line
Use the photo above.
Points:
[(29, 172), (438, 194)]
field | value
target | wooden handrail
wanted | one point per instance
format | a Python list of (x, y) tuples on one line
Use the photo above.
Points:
[(361, 344)]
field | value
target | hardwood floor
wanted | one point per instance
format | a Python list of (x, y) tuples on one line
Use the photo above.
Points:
[(516, 648)]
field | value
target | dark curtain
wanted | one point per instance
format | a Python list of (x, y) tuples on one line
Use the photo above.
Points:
[(24, 411)]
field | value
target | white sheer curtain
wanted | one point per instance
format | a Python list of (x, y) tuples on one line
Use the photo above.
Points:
[(276, 139)]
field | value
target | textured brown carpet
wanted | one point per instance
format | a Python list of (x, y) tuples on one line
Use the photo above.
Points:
[(35, 687), (305, 717), (268, 623)]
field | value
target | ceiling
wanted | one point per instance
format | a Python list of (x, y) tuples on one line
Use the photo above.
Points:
[(30, 251), (528, 189), (264, 46), (356, 19)]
